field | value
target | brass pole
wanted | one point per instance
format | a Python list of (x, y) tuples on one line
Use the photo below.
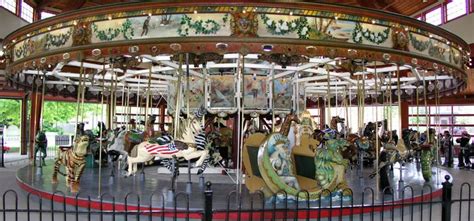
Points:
[(178, 94)]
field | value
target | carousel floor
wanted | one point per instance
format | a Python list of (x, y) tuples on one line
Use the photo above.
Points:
[(38, 181)]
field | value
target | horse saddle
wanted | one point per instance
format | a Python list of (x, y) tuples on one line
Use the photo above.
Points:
[(136, 137), (158, 140)]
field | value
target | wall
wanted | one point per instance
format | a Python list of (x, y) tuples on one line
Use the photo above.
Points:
[(10, 22), (463, 27)]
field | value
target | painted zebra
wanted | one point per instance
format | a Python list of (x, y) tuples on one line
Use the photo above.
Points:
[(73, 159), (183, 146), (201, 143)]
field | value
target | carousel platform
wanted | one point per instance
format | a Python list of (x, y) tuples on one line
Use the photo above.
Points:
[(150, 190)]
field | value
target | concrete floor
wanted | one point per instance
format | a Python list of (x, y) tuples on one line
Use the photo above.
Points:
[(8, 181)]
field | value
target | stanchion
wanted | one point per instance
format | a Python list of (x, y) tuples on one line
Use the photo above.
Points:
[(446, 199), (208, 202), (201, 182), (2, 145), (189, 184)]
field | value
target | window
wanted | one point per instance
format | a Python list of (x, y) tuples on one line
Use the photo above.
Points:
[(45, 15), (455, 8), (10, 5), (420, 18), (435, 16), (454, 119), (26, 12)]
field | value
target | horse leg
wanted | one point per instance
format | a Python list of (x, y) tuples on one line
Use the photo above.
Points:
[(130, 164), (202, 154), (204, 164), (44, 155), (34, 159)]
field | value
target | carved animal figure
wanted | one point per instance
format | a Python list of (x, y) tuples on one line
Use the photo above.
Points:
[(189, 144), (73, 159), (41, 143)]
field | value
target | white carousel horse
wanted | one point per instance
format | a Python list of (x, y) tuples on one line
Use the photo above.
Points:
[(191, 134), (116, 148)]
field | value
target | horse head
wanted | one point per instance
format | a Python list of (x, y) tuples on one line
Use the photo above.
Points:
[(40, 136), (190, 127), (363, 143), (101, 126), (338, 119)]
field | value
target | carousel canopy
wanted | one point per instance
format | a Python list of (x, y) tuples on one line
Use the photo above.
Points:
[(312, 50)]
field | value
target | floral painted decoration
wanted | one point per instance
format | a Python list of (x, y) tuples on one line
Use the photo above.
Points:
[(377, 38), (281, 27), (206, 27), (112, 33)]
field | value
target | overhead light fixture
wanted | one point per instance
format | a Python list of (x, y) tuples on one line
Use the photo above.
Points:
[(267, 48)]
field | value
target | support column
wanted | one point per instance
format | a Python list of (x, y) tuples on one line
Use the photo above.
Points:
[(322, 113), (108, 111), (404, 115), (24, 125), (235, 140), (162, 117), (34, 120)]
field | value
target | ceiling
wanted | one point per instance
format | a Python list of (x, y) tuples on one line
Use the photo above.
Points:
[(405, 7)]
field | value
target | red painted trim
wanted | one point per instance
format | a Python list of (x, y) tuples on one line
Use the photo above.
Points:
[(104, 206), (301, 214)]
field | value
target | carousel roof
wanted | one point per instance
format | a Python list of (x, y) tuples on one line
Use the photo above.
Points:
[(316, 49)]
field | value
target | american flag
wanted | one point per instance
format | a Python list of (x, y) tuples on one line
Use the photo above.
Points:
[(169, 148)]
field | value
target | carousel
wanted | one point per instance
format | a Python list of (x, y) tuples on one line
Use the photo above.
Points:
[(235, 82)]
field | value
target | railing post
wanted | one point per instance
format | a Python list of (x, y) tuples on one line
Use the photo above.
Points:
[(447, 189), (208, 202)]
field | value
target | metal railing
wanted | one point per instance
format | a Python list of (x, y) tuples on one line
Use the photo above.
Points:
[(255, 206)]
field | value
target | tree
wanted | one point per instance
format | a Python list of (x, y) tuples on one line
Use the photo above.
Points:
[(10, 112), (62, 112), (54, 112)]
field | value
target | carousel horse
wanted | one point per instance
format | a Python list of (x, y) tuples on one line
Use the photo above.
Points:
[(190, 143), (305, 127), (41, 144), (411, 142), (356, 149), (428, 152), (333, 125), (150, 128), (95, 142), (133, 137), (73, 159), (371, 133), (116, 148)]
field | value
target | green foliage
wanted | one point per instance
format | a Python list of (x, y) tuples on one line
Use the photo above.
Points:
[(53, 113), (10, 112), (62, 112)]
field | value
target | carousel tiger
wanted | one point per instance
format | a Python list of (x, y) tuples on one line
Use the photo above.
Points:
[(73, 159)]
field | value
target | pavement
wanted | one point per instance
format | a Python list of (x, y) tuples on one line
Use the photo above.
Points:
[(459, 211)]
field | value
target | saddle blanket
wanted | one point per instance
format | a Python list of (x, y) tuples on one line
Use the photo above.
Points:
[(169, 148)]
